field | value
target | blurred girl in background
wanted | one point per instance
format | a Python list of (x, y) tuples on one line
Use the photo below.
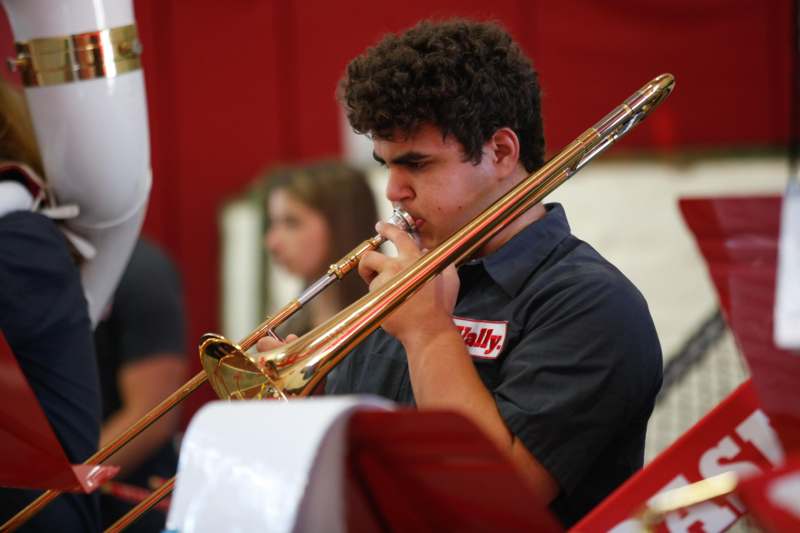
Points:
[(316, 214)]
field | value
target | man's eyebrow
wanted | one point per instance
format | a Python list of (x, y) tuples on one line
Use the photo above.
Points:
[(408, 157)]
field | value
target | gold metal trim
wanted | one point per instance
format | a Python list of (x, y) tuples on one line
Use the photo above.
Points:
[(84, 56)]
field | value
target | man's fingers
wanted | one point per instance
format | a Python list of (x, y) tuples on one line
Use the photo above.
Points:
[(376, 269), (267, 343), (370, 265), (405, 243)]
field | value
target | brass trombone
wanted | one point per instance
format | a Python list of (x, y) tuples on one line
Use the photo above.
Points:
[(294, 369)]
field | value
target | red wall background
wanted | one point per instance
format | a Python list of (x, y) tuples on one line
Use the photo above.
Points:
[(235, 87)]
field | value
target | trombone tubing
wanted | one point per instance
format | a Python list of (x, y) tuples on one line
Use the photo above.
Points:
[(318, 352), (129, 517)]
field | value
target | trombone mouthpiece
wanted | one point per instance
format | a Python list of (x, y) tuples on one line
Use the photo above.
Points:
[(403, 220)]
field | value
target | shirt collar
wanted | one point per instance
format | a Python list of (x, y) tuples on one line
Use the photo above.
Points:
[(512, 264)]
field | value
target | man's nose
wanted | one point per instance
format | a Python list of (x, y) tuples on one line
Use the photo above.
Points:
[(398, 188)]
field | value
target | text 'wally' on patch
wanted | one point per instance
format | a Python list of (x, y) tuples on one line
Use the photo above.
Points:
[(483, 338)]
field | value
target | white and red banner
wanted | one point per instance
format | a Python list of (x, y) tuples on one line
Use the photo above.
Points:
[(735, 436)]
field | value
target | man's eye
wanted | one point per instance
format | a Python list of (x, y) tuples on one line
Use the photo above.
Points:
[(416, 165)]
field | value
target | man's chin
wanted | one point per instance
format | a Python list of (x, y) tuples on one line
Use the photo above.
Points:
[(427, 243)]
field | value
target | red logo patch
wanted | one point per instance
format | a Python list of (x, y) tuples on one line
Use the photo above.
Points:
[(484, 338)]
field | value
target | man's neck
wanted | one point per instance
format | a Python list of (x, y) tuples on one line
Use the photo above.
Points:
[(530, 216)]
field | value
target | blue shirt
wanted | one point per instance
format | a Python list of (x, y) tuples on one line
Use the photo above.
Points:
[(579, 362)]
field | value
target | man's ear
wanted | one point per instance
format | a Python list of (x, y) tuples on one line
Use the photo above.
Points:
[(503, 147)]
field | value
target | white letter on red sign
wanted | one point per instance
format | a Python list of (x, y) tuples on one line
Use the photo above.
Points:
[(757, 430)]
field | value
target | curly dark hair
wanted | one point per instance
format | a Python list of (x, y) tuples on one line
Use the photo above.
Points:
[(467, 78)]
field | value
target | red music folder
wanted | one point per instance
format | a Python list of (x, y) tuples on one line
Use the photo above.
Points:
[(30, 454), (418, 471)]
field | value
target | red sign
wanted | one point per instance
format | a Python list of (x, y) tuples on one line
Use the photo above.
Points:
[(735, 436)]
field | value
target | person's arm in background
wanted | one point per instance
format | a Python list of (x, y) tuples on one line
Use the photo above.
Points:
[(145, 349), (142, 385)]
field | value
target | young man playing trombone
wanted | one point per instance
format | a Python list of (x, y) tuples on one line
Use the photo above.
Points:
[(537, 339)]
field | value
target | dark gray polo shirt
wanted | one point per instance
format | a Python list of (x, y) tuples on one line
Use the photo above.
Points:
[(564, 342)]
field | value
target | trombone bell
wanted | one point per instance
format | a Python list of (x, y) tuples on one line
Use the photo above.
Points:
[(232, 374)]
